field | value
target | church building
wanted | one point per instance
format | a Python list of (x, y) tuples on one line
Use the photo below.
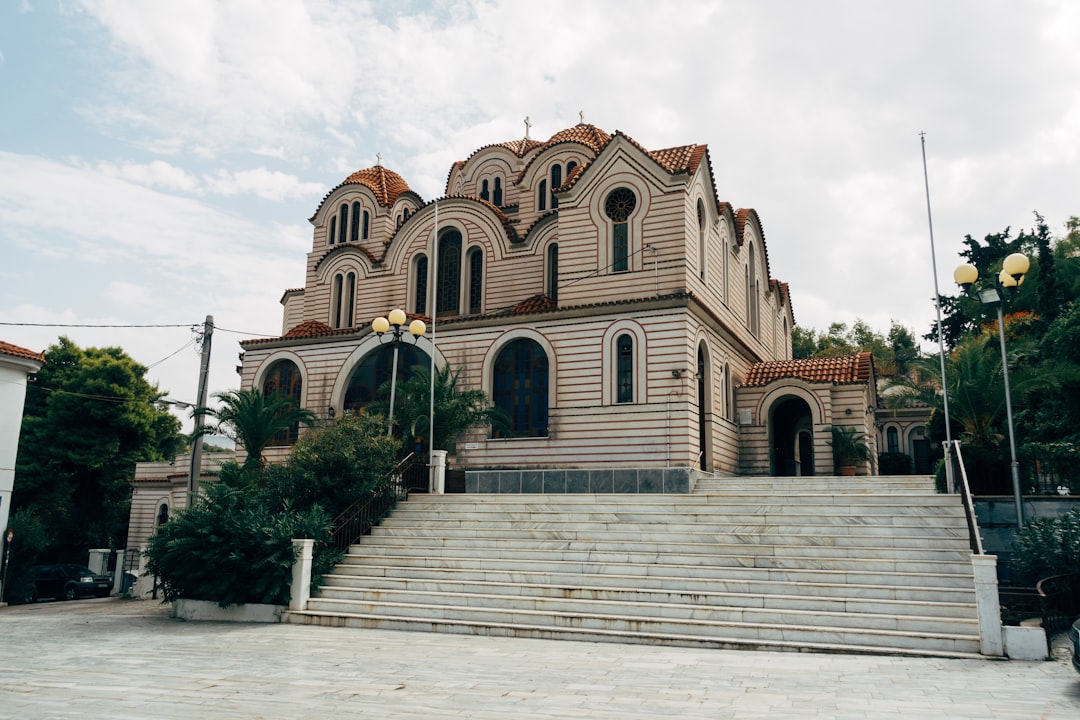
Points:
[(601, 293)]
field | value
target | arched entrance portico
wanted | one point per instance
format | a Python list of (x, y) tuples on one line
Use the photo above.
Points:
[(791, 438)]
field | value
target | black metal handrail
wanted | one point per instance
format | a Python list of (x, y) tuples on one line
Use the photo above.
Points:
[(409, 475), (974, 537), (1059, 600)]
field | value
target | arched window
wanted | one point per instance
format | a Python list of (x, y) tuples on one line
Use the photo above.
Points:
[(752, 313), (570, 168), (619, 206), (893, 440), (375, 369), (342, 299), (496, 197), (448, 287), (556, 183), (624, 369), (727, 252), (541, 200), (283, 379), (702, 258), (520, 387), (332, 235), (420, 283), (728, 402), (162, 514), (476, 279), (343, 221), (553, 271), (354, 228), (484, 194)]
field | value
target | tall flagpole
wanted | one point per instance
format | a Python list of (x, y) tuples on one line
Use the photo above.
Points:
[(940, 336), (432, 280)]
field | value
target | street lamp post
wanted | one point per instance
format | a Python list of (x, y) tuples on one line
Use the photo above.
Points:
[(381, 326), (1011, 276)]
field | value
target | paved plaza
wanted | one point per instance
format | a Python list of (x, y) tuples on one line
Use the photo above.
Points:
[(122, 659)]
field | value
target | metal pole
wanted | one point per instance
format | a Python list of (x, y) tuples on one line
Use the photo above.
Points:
[(432, 280), (393, 381), (204, 376), (937, 306), (1008, 410)]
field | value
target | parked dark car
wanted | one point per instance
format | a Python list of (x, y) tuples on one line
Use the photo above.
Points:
[(65, 581)]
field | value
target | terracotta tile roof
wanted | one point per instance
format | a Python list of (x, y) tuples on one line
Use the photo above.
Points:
[(588, 135), (20, 352), (386, 184), (521, 147), (845, 370), (309, 328), (685, 158), (536, 303)]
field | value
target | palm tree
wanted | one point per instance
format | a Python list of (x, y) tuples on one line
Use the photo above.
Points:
[(976, 386), (255, 419), (456, 410)]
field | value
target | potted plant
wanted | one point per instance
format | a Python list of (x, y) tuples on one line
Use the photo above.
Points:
[(849, 447)]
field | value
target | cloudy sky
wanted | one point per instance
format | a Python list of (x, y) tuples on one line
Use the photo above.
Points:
[(159, 161)]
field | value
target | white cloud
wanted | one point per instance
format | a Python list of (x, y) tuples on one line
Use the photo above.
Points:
[(154, 174), (263, 183)]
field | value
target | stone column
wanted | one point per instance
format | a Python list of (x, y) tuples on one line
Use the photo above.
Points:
[(438, 472), (988, 605), (300, 590)]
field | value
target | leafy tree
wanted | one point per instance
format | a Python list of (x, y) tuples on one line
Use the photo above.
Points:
[(892, 354), (254, 419), (456, 410), (1045, 547), (31, 538), (90, 415), (232, 547)]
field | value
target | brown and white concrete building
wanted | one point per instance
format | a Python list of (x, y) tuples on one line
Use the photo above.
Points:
[(601, 293)]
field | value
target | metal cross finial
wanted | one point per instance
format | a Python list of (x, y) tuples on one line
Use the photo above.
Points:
[(581, 117), (527, 126), (378, 159)]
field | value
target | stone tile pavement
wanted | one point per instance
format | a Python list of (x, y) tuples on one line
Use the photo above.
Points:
[(123, 659)]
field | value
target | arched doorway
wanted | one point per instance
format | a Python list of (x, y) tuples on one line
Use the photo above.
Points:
[(791, 433), (704, 398), (375, 369)]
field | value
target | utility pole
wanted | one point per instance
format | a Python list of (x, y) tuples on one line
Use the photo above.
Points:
[(197, 443)]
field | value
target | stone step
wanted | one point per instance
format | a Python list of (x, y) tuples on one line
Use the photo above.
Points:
[(679, 503), (419, 612), (523, 630), (588, 559), (807, 584), (814, 516), (348, 586), (569, 549), (842, 537)]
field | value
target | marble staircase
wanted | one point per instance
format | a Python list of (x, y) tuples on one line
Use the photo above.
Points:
[(872, 565)]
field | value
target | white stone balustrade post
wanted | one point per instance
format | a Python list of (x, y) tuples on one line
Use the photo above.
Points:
[(300, 591), (988, 605), (438, 472)]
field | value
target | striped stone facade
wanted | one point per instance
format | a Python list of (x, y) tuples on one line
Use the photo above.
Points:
[(648, 298)]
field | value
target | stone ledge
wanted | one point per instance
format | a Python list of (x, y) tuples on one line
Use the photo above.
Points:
[(207, 611)]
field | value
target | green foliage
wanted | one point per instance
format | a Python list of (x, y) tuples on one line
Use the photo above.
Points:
[(254, 419), (31, 539), (234, 545), (336, 465), (456, 410), (233, 548), (90, 415), (894, 463), (892, 353), (849, 445), (1046, 547)]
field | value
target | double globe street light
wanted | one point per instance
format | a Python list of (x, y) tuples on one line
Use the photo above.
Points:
[(1011, 277), (382, 325)]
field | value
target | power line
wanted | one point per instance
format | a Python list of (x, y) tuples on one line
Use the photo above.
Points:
[(91, 325), (186, 345)]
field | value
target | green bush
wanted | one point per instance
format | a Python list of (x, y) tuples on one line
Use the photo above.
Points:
[(894, 463), (1046, 547), (27, 544), (232, 548)]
